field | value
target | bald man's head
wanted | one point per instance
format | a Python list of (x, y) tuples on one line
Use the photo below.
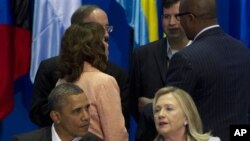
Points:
[(204, 9), (92, 13), (82, 13)]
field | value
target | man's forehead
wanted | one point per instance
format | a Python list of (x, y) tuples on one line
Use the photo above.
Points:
[(98, 16)]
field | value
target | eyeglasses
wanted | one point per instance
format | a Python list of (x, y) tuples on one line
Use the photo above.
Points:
[(178, 16), (108, 28)]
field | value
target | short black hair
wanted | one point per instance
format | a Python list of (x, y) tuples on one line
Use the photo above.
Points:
[(58, 95), (168, 3)]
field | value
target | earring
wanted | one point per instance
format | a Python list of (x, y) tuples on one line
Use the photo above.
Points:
[(185, 123)]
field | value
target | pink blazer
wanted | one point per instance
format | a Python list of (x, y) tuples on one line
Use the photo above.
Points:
[(106, 119)]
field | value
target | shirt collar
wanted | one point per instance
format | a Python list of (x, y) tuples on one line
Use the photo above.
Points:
[(171, 52), (55, 136), (205, 29)]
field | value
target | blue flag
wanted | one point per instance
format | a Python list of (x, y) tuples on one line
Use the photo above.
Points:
[(51, 18)]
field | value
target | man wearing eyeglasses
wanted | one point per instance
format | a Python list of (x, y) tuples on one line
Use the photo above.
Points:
[(47, 77), (149, 68), (214, 69)]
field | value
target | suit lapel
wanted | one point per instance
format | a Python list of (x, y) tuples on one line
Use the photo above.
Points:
[(162, 58)]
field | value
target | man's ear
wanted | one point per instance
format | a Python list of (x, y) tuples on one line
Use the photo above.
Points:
[(55, 116)]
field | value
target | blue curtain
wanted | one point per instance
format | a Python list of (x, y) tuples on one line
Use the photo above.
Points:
[(234, 18)]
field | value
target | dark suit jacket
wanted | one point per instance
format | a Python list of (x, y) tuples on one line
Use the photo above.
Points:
[(215, 71), (44, 134), (148, 74), (46, 79)]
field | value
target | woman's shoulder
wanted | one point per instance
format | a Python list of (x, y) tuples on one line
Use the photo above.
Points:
[(105, 76), (214, 139), (101, 78)]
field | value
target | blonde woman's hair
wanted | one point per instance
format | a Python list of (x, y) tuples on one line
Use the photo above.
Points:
[(194, 128)]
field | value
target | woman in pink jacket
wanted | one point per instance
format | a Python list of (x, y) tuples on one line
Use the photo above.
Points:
[(83, 57)]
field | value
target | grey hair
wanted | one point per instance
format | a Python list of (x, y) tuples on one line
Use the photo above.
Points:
[(58, 95)]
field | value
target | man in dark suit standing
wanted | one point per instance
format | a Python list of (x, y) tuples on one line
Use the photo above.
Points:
[(47, 77), (214, 69), (149, 68), (68, 106)]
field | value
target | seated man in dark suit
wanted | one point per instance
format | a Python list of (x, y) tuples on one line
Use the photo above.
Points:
[(46, 76), (69, 111)]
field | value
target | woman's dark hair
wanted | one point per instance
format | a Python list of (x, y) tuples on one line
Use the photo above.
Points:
[(81, 42)]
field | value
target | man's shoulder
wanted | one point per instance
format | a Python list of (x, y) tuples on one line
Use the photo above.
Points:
[(159, 42), (50, 65), (51, 60), (155, 45), (115, 68), (116, 71), (36, 134)]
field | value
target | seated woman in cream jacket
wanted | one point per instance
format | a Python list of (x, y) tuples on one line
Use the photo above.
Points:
[(177, 118)]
